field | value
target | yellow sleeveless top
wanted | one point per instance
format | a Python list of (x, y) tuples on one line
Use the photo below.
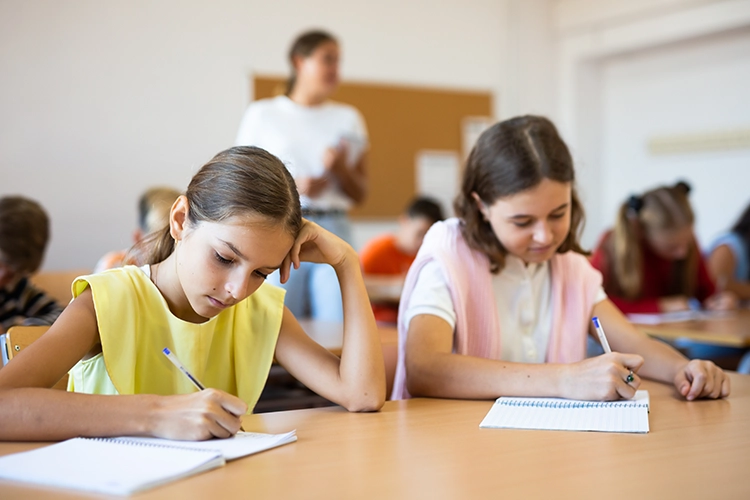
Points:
[(232, 351)]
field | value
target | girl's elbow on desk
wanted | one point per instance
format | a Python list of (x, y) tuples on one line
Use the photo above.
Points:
[(367, 402)]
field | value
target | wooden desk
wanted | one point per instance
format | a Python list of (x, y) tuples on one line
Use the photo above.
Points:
[(732, 330), (430, 448)]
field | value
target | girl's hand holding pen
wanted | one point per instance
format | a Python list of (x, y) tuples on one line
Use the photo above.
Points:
[(202, 415), (602, 378), (609, 376)]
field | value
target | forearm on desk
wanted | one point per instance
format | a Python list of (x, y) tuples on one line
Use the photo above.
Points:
[(35, 414), (448, 375)]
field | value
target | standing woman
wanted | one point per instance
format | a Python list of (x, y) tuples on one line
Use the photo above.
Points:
[(323, 144)]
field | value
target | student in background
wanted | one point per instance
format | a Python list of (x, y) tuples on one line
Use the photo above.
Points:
[(729, 258), (24, 232), (499, 301), (153, 214), (323, 144), (386, 259), (651, 262), (203, 295)]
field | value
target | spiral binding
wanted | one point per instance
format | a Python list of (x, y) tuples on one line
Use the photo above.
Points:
[(128, 442), (571, 404)]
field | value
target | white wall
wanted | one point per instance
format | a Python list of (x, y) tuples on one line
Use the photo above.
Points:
[(693, 87), (630, 70), (101, 99)]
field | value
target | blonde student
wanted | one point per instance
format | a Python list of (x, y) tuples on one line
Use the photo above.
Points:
[(651, 261), (154, 206), (203, 295), (499, 301)]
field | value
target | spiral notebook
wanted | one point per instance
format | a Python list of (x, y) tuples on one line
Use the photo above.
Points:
[(123, 466), (570, 415)]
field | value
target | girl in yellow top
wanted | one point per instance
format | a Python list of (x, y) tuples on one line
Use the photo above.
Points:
[(203, 296)]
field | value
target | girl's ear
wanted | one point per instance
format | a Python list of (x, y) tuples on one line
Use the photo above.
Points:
[(481, 206), (297, 61), (178, 217)]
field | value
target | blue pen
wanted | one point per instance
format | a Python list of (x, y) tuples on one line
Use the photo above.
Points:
[(179, 365), (600, 333), (605, 344)]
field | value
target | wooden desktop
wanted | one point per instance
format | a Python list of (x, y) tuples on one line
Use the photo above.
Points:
[(431, 448)]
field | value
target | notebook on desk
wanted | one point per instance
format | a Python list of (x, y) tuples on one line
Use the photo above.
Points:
[(127, 465), (570, 415)]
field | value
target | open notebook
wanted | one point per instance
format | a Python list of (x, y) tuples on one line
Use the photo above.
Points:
[(570, 415), (125, 465)]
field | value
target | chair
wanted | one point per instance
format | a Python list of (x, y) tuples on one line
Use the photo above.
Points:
[(57, 283), (17, 338)]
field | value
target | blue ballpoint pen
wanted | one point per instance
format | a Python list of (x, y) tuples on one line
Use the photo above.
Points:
[(605, 344), (184, 370)]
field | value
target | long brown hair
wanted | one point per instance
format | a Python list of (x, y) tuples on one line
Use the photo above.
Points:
[(236, 182), (510, 157), (662, 209), (303, 46)]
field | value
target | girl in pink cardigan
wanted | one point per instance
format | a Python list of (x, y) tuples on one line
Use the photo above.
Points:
[(499, 300)]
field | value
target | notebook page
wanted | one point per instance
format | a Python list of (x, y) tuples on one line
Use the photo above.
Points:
[(561, 414), (104, 466), (240, 445)]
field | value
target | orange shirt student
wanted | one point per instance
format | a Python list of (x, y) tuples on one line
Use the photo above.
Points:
[(387, 258)]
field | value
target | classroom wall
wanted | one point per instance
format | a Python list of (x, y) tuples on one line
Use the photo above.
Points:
[(699, 87), (629, 72), (101, 99)]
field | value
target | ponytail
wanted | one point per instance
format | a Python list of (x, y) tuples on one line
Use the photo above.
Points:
[(625, 251), (155, 247), (660, 209)]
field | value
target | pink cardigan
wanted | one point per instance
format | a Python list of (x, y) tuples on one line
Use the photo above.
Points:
[(477, 333)]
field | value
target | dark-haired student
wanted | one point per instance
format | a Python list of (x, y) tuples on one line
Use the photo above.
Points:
[(387, 258), (499, 300), (24, 232)]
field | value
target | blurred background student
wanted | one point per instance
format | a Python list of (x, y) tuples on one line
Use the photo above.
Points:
[(153, 214), (651, 262), (323, 144), (729, 258), (24, 233), (387, 258)]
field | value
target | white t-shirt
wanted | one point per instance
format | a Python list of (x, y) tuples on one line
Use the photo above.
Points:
[(522, 298), (299, 136)]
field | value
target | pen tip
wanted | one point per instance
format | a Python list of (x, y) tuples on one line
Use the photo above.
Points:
[(166, 350)]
